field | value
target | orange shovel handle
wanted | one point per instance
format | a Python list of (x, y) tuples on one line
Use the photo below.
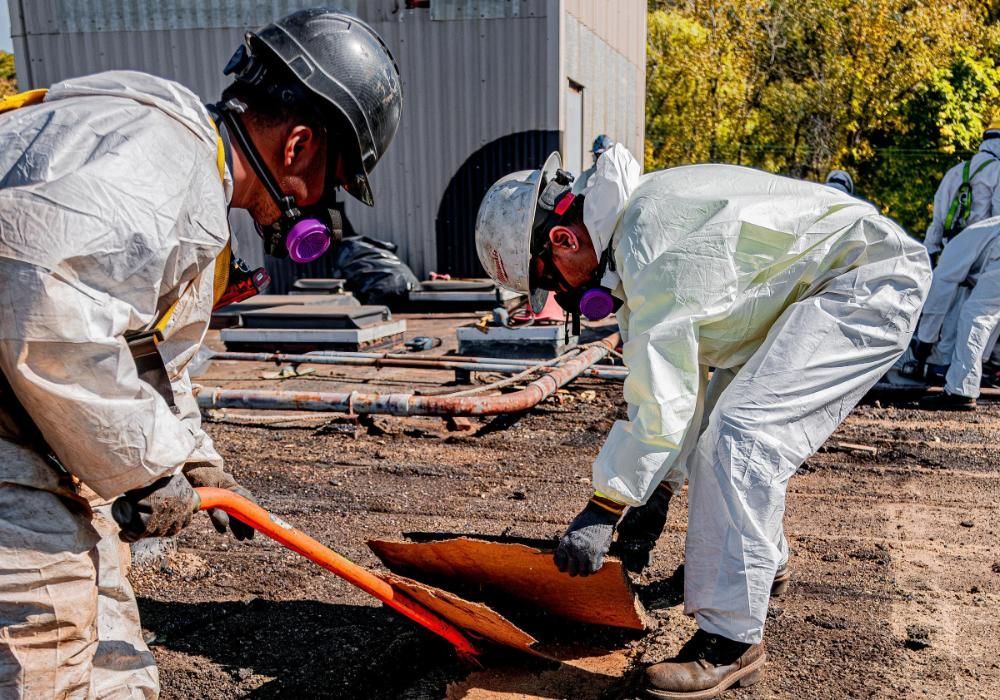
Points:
[(277, 529)]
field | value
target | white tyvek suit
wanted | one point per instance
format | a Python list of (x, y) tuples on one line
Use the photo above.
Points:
[(801, 297), (111, 207), (580, 183), (967, 277), (985, 192)]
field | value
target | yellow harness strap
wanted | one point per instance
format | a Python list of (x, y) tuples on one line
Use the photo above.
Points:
[(223, 262), (22, 99)]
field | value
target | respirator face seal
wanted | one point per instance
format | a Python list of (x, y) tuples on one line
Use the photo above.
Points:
[(304, 238)]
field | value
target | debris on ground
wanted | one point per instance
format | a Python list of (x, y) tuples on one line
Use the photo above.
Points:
[(917, 637)]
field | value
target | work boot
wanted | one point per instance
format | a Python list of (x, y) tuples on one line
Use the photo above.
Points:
[(991, 375), (707, 665), (782, 578), (641, 528), (948, 402), (936, 375)]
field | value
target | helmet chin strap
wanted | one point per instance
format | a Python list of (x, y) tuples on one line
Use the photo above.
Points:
[(285, 203)]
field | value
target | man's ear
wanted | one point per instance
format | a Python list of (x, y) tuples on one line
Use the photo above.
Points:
[(564, 237), (300, 146)]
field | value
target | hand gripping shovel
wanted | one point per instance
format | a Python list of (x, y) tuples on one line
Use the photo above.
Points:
[(286, 535)]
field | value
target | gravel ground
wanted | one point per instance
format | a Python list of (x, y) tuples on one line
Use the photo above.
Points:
[(896, 564)]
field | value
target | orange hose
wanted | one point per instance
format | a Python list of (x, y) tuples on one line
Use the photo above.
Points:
[(277, 529)]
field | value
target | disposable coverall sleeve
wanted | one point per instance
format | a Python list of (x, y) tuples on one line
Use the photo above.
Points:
[(184, 336), (65, 356), (661, 389), (934, 238)]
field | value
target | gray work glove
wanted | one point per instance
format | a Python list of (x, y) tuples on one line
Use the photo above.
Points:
[(586, 541), (205, 474), (641, 528), (161, 509)]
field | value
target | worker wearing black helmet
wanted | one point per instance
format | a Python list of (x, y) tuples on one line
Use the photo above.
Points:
[(114, 247)]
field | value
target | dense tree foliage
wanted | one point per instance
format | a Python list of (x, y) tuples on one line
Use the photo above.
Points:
[(7, 77), (894, 91)]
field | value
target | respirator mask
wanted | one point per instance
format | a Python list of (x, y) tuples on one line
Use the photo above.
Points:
[(557, 204)]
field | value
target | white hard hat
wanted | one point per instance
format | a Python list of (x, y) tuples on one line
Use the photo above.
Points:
[(504, 226)]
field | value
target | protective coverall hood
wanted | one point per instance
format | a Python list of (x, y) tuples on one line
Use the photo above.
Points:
[(614, 180), (168, 97)]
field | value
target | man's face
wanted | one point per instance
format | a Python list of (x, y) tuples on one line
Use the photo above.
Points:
[(296, 157)]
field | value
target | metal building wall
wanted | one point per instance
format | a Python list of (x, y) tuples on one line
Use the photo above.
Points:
[(482, 84), (604, 49)]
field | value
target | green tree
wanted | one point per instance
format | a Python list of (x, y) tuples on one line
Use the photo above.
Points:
[(893, 90), (8, 77)]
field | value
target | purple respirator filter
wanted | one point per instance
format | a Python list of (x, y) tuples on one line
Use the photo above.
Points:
[(596, 303), (307, 240)]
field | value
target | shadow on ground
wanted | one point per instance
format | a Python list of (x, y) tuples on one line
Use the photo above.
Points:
[(272, 649), (280, 649)]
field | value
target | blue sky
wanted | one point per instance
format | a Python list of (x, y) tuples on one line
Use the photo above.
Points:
[(5, 43)]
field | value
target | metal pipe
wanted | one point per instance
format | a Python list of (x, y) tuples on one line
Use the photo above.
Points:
[(501, 366), (410, 404)]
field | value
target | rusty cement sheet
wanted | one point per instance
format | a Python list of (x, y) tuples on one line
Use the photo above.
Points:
[(522, 572), (477, 618)]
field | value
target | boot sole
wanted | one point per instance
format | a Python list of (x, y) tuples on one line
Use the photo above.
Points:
[(746, 676)]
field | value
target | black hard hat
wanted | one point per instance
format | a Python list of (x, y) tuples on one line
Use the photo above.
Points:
[(329, 60)]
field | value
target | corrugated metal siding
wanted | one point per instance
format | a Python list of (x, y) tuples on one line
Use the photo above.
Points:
[(621, 24), (485, 9), (465, 85), (614, 87), (44, 16)]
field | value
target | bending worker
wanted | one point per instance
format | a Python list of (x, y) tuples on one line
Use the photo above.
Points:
[(969, 192), (966, 286), (114, 191), (800, 296)]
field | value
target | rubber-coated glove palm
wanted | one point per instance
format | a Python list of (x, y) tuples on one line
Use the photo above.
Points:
[(205, 474), (586, 541), (161, 509), (641, 528)]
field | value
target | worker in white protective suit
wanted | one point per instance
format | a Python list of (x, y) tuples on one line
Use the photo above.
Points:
[(114, 191), (969, 192), (967, 278), (799, 296)]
